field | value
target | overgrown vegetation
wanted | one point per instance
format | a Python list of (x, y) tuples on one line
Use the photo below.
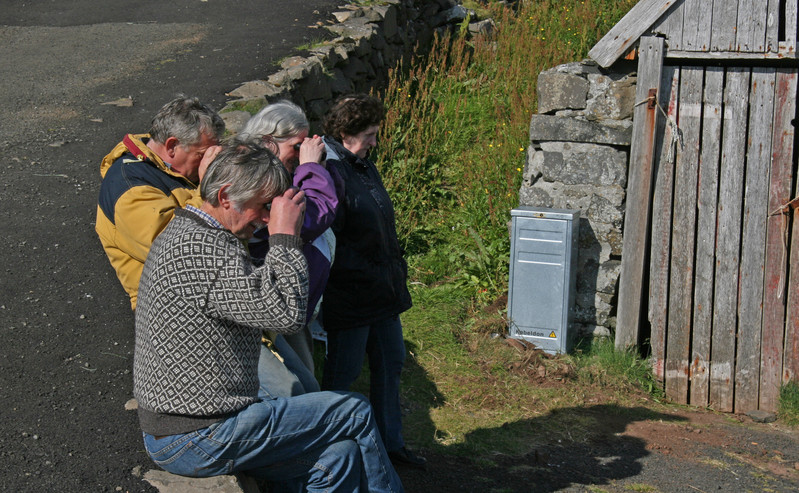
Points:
[(455, 137), (452, 152)]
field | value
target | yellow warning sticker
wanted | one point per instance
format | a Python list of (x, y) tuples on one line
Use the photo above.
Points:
[(553, 335)]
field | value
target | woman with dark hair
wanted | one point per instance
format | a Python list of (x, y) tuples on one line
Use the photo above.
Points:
[(367, 287)]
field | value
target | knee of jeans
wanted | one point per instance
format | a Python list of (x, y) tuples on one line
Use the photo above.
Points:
[(362, 404), (345, 450)]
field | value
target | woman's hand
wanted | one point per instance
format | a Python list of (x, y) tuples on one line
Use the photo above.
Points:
[(312, 150)]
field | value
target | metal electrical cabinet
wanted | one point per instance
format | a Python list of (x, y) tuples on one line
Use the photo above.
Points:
[(542, 276)]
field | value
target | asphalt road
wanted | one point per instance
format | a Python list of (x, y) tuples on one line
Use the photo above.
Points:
[(67, 329)]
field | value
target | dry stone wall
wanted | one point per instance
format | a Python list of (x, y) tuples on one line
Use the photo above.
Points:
[(577, 159), (368, 41)]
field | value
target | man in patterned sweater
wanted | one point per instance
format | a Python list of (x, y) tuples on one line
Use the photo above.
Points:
[(202, 306)]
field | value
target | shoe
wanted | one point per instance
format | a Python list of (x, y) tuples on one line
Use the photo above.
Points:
[(405, 457)]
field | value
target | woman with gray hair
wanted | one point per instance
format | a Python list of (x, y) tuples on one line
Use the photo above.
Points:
[(284, 127)]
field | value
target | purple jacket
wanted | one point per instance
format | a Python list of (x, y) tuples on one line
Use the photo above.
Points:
[(321, 187)]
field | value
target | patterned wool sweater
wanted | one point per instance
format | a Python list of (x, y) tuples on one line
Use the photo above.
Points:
[(202, 307)]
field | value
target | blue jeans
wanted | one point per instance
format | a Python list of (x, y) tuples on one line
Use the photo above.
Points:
[(287, 378), (382, 342), (326, 440)]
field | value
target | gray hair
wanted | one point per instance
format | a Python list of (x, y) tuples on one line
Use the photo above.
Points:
[(279, 121), (249, 169), (186, 119)]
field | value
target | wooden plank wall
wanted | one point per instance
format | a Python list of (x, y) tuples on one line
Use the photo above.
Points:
[(777, 344), (695, 34), (787, 85), (723, 309), (684, 235), (728, 240), (661, 225), (751, 30), (791, 25), (723, 275), (753, 241), (731, 26), (707, 210)]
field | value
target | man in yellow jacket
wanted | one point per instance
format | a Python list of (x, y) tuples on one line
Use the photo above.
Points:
[(146, 177)]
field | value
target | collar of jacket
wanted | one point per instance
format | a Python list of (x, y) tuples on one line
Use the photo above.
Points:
[(343, 154), (136, 144)]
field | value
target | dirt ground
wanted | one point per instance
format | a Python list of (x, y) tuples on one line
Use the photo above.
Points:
[(66, 324), (634, 450)]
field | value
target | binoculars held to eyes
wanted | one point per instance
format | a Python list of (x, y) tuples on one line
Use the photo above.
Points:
[(324, 153)]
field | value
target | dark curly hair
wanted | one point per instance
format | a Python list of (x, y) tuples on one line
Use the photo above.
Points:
[(352, 114)]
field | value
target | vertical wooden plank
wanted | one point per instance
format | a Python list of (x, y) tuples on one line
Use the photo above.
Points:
[(753, 240), (791, 24), (781, 177), (639, 186), (671, 25), (697, 19), (775, 327), (660, 238), (773, 26), (787, 86), (751, 31), (728, 237), (706, 235), (725, 18), (683, 237)]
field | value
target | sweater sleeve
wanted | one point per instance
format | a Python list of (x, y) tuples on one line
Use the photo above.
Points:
[(273, 296)]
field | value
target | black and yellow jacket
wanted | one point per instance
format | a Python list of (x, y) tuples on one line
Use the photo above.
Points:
[(138, 198)]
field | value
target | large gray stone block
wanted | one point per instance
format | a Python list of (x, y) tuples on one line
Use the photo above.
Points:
[(559, 91), (616, 102), (577, 163), (235, 120), (340, 84), (316, 84), (535, 197), (593, 308), (388, 15), (256, 89), (600, 278), (555, 128)]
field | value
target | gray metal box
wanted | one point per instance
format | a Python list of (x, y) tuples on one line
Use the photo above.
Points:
[(542, 276)]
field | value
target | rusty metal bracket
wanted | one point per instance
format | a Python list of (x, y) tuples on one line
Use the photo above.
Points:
[(653, 99)]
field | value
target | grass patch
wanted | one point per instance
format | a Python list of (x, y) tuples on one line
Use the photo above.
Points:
[(641, 487), (251, 106), (789, 403), (313, 43)]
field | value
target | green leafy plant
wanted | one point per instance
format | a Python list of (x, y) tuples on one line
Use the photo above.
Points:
[(789, 403)]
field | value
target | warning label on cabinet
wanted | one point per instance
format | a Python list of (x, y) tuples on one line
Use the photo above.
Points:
[(537, 333)]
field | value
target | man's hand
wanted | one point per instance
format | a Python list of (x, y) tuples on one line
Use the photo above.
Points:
[(287, 212), (312, 150), (208, 158)]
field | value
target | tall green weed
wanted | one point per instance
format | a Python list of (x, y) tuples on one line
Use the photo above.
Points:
[(454, 141)]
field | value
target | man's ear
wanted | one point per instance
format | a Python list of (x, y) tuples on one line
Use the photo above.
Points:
[(171, 145), (222, 196)]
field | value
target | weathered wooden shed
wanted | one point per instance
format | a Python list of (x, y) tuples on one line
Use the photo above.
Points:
[(710, 256)]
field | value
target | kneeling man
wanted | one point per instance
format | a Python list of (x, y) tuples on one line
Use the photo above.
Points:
[(202, 306)]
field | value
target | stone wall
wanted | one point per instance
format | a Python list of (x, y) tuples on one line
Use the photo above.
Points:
[(577, 159), (368, 41)]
